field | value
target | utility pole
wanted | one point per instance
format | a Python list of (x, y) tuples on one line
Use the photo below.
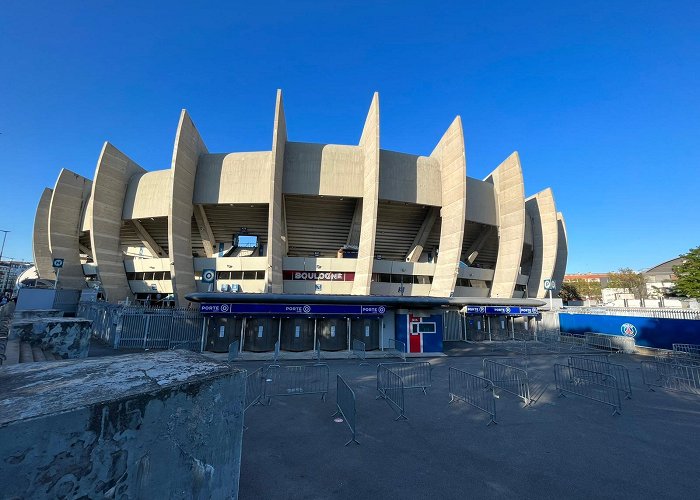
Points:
[(4, 236)]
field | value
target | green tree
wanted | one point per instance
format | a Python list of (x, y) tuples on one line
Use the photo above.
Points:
[(586, 289), (688, 274), (626, 279), (569, 292)]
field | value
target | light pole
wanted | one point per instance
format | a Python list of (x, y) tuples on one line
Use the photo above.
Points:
[(4, 236)]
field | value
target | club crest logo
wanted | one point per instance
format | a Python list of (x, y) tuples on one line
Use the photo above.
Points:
[(628, 329)]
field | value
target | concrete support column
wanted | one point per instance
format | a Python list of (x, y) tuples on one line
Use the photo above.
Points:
[(543, 212), (369, 143), (450, 155), (40, 241), (183, 169), (114, 169), (275, 244), (562, 253), (509, 187)]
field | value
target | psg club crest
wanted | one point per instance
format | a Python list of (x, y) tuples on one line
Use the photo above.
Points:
[(628, 329)]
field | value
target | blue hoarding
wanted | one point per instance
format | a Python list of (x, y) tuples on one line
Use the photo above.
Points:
[(661, 333), (293, 309), (502, 310)]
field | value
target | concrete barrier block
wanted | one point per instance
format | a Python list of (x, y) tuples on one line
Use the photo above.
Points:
[(37, 313), (68, 338), (154, 425)]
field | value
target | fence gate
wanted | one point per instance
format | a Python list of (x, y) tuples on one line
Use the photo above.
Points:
[(453, 326)]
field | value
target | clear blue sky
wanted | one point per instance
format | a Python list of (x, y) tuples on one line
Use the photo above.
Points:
[(601, 99)]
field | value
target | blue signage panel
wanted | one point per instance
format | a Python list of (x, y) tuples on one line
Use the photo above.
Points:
[(292, 309), (502, 310)]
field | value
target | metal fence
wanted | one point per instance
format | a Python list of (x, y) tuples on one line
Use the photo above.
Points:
[(691, 350), (676, 357), (345, 402), (296, 380), (473, 390), (414, 375), (390, 388), (642, 312), (276, 354), (233, 350), (671, 376), (395, 348), (588, 384), (509, 379), (145, 328), (453, 326), (619, 372), (358, 351)]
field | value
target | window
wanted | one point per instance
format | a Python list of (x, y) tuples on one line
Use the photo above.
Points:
[(250, 275), (236, 275), (223, 275)]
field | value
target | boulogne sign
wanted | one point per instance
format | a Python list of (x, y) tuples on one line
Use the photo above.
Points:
[(502, 310), (292, 309), (317, 276)]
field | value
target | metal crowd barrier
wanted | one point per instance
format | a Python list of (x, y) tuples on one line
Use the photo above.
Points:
[(677, 357), (473, 390), (345, 402), (233, 349), (671, 376), (396, 348), (276, 354), (414, 375), (390, 388), (619, 372), (317, 351), (611, 343), (296, 380), (509, 379), (691, 350), (254, 388), (358, 351), (589, 384)]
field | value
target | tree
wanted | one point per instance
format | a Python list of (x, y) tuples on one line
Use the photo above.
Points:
[(586, 289), (688, 274), (569, 292), (626, 279)]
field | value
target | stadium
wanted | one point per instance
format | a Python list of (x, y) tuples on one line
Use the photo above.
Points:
[(308, 242)]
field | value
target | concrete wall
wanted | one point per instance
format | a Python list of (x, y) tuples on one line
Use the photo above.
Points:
[(409, 178), (148, 195), (232, 178), (545, 234), (451, 157), (40, 240), (69, 338), (114, 170), (323, 169), (369, 143), (188, 148), (68, 203), (156, 425), (481, 202), (509, 186)]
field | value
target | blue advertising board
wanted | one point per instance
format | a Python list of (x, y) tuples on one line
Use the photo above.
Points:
[(292, 309), (502, 310)]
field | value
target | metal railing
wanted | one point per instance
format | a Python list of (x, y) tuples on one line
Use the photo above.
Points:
[(414, 375), (508, 379), (254, 388), (671, 376), (473, 390), (619, 372), (642, 312), (317, 351), (296, 380), (358, 351), (345, 402), (588, 384), (396, 348), (691, 350), (390, 388), (676, 357)]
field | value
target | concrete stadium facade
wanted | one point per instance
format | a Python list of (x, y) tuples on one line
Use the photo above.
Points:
[(323, 219)]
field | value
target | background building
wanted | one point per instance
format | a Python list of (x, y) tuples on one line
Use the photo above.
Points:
[(9, 272)]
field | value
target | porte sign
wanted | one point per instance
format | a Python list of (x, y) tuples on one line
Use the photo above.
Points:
[(208, 276), (58, 263), (550, 284), (502, 310)]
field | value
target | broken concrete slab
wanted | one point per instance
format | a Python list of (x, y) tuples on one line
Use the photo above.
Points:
[(155, 425), (69, 338)]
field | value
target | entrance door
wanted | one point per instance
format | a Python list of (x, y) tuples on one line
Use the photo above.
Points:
[(221, 332)]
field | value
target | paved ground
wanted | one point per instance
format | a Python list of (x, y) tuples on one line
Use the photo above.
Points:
[(557, 448)]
